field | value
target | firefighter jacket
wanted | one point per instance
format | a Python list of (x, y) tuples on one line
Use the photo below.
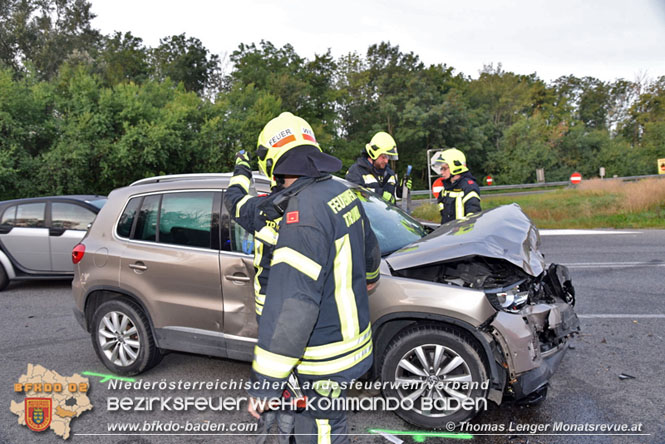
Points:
[(257, 215), (459, 199), (382, 182), (315, 320)]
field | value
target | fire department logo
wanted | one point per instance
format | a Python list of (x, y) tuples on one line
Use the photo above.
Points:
[(51, 401), (38, 413)]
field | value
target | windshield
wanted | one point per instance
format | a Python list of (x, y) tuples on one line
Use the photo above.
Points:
[(393, 228)]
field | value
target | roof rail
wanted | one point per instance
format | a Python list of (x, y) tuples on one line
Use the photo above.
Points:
[(175, 177)]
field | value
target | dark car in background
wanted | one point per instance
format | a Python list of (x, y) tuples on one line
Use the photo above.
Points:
[(37, 235)]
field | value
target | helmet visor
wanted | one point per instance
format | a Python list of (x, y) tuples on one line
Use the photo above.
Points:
[(392, 153), (375, 151), (438, 167)]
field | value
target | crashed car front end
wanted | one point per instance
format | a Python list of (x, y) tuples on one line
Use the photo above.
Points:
[(498, 252), (537, 332)]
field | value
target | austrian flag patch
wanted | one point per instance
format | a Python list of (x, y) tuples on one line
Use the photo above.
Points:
[(292, 217)]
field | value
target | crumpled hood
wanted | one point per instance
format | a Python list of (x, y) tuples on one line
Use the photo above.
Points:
[(502, 233)]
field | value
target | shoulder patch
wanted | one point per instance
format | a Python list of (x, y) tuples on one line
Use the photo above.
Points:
[(471, 182), (292, 217)]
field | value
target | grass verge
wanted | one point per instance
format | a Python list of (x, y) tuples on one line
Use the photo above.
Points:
[(593, 204)]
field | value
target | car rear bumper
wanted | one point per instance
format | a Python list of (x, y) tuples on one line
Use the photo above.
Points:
[(80, 318), (77, 294)]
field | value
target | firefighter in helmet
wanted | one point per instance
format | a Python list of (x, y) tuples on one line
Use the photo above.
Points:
[(460, 196), (315, 320), (436, 162), (372, 171)]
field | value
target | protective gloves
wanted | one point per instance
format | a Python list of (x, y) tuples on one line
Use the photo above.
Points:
[(242, 159)]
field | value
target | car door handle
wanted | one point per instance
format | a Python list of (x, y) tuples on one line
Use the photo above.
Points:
[(237, 278), (56, 231), (138, 266)]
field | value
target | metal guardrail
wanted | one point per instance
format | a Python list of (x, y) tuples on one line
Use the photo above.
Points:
[(541, 185)]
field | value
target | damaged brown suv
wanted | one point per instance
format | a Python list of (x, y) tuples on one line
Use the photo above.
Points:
[(468, 311)]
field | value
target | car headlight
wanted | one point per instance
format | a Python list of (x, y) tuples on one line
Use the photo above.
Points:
[(510, 299)]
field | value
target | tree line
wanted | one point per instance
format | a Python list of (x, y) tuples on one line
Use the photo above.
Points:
[(82, 112)]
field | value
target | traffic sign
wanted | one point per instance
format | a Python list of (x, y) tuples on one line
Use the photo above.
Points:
[(489, 180), (575, 178), (661, 166)]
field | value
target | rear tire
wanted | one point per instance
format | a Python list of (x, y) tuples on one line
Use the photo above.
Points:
[(437, 362), (122, 338), (4, 279)]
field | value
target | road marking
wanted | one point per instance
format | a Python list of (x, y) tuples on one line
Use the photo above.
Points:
[(615, 264), (621, 316), (582, 232)]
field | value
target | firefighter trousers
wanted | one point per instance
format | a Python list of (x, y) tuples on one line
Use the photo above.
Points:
[(325, 421)]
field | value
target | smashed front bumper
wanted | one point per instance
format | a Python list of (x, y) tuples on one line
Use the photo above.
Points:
[(534, 342)]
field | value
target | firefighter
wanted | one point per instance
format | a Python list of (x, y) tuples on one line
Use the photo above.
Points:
[(315, 321), (372, 171), (460, 196), (436, 163), (258, 216)]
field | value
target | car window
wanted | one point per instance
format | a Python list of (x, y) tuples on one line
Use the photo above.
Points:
[(393, 228), (127, 218), (99, 203), (146, 223), (70, 216), (30, 215), (242, 241), (9, 216), (186, 219)]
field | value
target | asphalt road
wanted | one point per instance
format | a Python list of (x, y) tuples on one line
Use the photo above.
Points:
[(618, 278)]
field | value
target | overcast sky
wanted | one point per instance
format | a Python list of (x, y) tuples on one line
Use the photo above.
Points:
[(606, 39)]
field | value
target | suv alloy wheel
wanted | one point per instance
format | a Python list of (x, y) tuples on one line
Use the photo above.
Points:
[(122, 338), (428, 362)]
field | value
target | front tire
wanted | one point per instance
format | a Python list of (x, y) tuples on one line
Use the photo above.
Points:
[(122, 338), (432, 366)]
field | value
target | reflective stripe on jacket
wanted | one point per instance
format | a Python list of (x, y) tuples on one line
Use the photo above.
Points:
[(460, 199), (382, 182), (316, 317), (257, 215)]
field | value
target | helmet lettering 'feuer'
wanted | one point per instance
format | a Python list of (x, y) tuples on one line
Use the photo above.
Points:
[(282, 138), (280, 135)]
